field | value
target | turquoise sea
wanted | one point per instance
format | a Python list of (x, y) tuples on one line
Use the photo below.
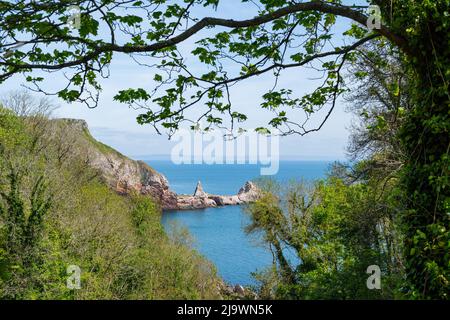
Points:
[(218, 232)]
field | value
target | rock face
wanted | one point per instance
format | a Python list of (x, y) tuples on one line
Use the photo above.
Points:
[(126, 176), (249, 192)]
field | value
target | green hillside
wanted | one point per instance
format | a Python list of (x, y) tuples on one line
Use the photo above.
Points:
[(56, 212)]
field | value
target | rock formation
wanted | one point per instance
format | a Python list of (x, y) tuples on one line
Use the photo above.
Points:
[(200, 199), (249, 192), (126, 176), (199, 191)]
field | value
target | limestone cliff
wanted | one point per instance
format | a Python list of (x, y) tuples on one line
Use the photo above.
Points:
[(125, 175)]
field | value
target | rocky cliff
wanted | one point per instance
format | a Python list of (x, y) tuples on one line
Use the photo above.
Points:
[(125, 175)]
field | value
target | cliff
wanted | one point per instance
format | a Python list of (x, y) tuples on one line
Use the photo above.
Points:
[(125, 175)]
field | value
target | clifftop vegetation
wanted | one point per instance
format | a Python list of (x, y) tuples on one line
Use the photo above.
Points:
[(55, 212)]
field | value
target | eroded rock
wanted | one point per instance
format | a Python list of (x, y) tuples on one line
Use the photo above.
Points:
[(126, 176), (249, 192), (201, 199), (199, 191)]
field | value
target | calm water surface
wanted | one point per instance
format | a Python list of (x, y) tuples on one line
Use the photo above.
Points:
[(218, 232)]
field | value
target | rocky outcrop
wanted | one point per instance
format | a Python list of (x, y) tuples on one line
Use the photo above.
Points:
[(186, 202), (199, 191), (200, 199), (126, 176), (249, 192)]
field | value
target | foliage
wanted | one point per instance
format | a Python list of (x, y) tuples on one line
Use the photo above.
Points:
[(426, 140), (337, 231), (282, 35), (55, 213), (350, 220)]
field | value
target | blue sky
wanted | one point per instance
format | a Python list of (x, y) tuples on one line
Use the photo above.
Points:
[(115, 124)]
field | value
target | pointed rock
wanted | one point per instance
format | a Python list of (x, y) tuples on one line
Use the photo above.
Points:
[(199, 191), (249, 192)]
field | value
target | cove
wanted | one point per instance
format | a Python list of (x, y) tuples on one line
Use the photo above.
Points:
[(219, 232)]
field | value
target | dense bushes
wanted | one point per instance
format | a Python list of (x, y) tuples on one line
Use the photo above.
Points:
[(340, 226), (337, 231), (54, 212)]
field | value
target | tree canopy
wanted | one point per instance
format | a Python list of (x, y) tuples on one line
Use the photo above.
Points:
[(281, 35)]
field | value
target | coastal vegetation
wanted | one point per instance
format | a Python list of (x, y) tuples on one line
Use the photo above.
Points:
[(55, 212), (390, 207), (341, 225)]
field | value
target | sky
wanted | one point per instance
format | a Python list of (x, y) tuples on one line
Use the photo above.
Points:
[(115, 124)]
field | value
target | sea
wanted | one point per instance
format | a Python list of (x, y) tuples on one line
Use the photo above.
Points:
[(218, 233)]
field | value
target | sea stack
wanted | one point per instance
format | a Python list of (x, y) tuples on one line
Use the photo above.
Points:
[(199, 191)]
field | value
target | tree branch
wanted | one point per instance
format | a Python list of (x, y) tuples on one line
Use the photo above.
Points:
[(323, 7)]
